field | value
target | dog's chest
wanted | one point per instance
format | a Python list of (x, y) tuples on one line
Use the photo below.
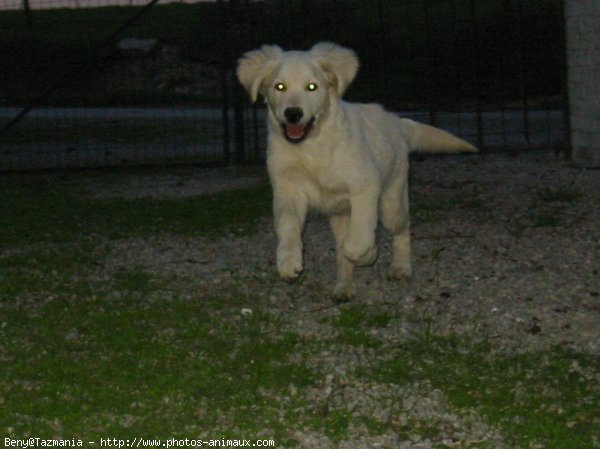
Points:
[(315, 172), (333, 202), (326, 188)]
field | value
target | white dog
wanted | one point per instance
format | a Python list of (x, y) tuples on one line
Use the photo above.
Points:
[(347, 160)]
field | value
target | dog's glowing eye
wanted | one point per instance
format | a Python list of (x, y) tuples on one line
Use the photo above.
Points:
[(311, 86), (280, 87)]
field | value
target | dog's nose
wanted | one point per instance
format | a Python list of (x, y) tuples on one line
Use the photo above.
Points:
[(293, 115)]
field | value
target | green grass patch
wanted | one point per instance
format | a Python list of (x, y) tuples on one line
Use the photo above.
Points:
[(548, 398), (564, 194), (354, 324), (548, 211), (50, 211), (543, 218), (88, 352), (51, 270), (471, 201), (430, 208), (132, 367)]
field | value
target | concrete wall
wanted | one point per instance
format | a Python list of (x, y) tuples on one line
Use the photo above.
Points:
[(583, 59)]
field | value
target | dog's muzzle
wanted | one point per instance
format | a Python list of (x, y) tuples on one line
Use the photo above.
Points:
[(293, 130)]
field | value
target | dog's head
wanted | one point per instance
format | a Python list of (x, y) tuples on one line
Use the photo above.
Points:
[(297, 85)]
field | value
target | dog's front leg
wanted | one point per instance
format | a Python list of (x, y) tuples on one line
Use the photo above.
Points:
[(359, 246), (343, 290), (290, 215)]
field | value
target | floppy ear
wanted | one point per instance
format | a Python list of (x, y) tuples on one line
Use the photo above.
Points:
[(339, 64), (254, 66)]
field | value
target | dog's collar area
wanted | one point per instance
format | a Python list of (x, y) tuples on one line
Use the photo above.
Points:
[(297, 133)]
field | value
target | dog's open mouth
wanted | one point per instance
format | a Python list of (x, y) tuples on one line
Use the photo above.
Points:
[(296, 133)]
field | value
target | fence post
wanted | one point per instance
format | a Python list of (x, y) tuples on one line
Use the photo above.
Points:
[(225, 82), (224, 96), (429, 56), (476, 59), (385, 93), (566, 104), (234, 18), (523, 71), (28, 16)]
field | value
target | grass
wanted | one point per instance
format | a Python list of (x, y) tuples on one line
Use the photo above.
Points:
[(430, 208), (561, 194), (88, 367), (90, 353), (546, 210), (547, 398), (82, 360), (354, 322), (46, 210)]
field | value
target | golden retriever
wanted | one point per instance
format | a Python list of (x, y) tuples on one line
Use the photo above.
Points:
[(347, 160)]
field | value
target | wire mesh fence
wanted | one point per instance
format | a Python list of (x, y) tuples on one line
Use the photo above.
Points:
[(47, 4), (154, 83), (100, 88)]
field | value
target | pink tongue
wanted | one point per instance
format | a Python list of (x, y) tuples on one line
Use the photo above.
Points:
[(294, 131)]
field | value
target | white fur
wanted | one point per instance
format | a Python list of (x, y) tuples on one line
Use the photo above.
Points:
[(352, 164)]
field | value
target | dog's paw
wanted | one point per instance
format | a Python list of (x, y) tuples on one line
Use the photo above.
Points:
[(402, 279), (402, 276), (360, 255), (289, 267), (343, 292)]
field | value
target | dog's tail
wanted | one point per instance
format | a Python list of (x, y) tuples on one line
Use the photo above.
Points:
[(421, 137)]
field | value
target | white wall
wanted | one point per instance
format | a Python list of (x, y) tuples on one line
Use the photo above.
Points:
[(583, 50)]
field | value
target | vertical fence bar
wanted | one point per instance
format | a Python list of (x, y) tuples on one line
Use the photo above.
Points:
[(429, 56), (225, 110), (255, 134), (28, 16), (453, 75), (409, 51), (508, 23), (476, 62), (234, 19), (564, 81), (224, 88), (523, 71), (335, 22), (382, 54)]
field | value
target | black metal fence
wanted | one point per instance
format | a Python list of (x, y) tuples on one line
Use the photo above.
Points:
[(155, 84)]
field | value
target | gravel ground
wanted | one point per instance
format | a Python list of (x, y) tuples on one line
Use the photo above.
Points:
[(504, 248)]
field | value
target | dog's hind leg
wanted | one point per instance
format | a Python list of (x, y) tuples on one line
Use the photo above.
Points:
[(343, 290), (395, 218)]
